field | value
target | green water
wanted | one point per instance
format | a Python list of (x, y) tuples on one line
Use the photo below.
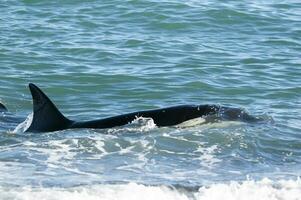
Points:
[(101, 58)]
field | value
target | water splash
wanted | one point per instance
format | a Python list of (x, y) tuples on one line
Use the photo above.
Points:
[(264, 189), (22, 127), (140, 125)]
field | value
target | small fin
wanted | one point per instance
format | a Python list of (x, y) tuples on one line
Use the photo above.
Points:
[(46, 116), (2, 108)]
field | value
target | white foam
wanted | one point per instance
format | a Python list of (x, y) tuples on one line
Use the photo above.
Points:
[(131, 191), (140, 124), (264, 189), (207, 157), (145, 124)]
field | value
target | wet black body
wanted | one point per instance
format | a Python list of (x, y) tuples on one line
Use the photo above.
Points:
[(162, 117), (46, 116)]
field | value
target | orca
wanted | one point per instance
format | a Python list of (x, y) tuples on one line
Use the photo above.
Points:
[(2, 108), (47, 117)]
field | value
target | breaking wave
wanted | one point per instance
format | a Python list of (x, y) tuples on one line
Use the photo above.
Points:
[(264, 189)]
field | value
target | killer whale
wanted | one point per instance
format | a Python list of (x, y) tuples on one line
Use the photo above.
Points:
[(47, 117), (2, 108)]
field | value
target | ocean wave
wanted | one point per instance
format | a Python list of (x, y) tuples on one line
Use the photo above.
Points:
[(264, 189)]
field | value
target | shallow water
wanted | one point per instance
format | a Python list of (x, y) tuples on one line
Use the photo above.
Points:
[(101, 58)]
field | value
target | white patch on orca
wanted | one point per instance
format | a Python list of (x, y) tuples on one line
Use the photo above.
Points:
[(22, 127), (192, 122)]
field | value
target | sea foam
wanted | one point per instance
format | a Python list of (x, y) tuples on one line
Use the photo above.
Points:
[(264, 189), (22, 127)]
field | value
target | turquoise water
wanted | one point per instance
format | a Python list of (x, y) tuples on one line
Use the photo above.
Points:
[(101, 58)]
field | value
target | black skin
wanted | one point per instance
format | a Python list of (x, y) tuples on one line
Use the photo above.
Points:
[(2, 108), (162, 117), (47, 118)]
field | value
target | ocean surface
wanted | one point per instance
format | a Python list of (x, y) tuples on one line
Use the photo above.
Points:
[(97, 59)]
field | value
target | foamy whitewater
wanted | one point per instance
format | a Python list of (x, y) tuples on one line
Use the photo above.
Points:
[(67, 150), (246, 190)]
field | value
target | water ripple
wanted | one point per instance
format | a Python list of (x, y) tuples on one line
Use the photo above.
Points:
[(101, 58)]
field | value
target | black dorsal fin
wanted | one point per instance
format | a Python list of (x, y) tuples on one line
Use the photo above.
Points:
[(2, 108), (46, 116)]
